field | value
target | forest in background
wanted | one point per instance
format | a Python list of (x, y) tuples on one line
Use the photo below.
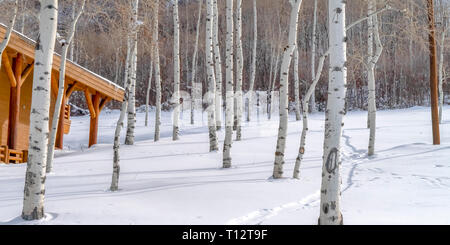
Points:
[(402, 72)]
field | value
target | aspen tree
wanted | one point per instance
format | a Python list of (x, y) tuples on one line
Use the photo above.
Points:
[(176, 72), (218, 65), (239, 69), (253, 74), (130, 59), (213, 142), (229, 108), (313, 56), (9, 30), (330, 191), (305, 106), (296, 86), (284, 107), (441, 68), (194, 85), (34, 191), (157, 73), (131, 110), (65, 43), (149, 86), (373, 59)]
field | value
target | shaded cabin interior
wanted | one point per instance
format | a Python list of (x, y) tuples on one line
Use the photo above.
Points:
[(16, 81)]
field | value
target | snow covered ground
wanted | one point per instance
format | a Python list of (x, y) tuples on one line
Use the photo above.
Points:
[(406, 182)]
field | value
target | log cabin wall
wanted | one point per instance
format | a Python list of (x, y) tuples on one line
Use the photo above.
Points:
[(16, 80)]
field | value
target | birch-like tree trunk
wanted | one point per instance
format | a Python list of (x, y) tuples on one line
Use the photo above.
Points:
[(147, 96), (272, 89), (157, 73), (296, 86), (131, 110), (218, 65), (72, 44), (305, 102), (194, 85), (229, 108), (33, 200), (284, 88), (176, 72), (65, 43), (441, 73), (213, 142), (123, 110), (330, 191), (373, 59), (128, 83), (313, 57), (239, 69), (9, 30), (253, 74)]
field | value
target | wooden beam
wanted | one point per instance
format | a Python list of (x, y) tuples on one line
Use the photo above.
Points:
[(104, 102), (93, 131), (70, 89), (89, 102), (54, 84), (60, 130), (8, 69), (28, 70), (14, 105)]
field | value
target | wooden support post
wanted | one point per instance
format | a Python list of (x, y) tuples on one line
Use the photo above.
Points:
[(14, 104), (433, 75), (9, 69), (28, 70), (59, 144), (93, 131)]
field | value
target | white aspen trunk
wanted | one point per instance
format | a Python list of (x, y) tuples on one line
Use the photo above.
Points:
[(441, 74), (272, 90), (59, 98), (213, 142), (72, 43), (157, 74), (269, 92), (22, 22), (218, 65), (229, 100), (370, 34), (9, 30), (239, 69), (123, 110), (371, 76), (330, 192), (313, 57), (296, 86), (131, 119), (176, 72), (284, 88), (253, 74), (195, 97), (33, 200), (305, 101), (147, 96)]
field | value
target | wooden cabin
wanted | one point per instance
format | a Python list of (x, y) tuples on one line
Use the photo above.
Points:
[(16, 80)]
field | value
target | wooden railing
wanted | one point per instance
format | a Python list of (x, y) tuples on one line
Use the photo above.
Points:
[(67, 121), (12, 156)]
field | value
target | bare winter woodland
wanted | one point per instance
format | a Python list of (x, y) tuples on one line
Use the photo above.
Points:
[(162, 52)]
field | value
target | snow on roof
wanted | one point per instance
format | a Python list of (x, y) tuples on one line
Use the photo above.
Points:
[(32, 42)]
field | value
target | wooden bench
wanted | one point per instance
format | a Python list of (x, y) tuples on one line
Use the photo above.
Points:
[(12, 156), (4, 154)]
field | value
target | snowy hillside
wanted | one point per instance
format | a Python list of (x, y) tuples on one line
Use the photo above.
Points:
[(406, 182)]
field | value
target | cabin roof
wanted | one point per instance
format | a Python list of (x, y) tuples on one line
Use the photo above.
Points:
[(84, 78)]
